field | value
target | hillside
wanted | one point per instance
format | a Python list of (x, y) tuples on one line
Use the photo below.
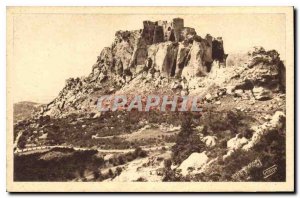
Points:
[(239, 133), (24, 110)]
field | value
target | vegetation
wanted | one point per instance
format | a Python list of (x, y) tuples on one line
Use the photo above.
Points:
[(270, 150), (75, 165), (187, 141), (33, 168), (78, 130)]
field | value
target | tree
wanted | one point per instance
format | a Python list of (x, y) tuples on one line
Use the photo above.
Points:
[(139, 152), (118, 170), (110, 173), (96, 174), (22, 142), (187, 141)]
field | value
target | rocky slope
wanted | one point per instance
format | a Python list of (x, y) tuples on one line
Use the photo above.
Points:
[(242, 122), (160, 52), (24, 110)]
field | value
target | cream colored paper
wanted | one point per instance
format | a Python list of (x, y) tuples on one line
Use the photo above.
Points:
[(14, 86)]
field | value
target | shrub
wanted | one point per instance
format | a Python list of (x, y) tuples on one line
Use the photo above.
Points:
[(141, 179), (167, 163), (140, 152), (118, 170), (110, 173)]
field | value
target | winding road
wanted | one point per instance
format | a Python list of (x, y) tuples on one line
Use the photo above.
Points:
[(45, 148)]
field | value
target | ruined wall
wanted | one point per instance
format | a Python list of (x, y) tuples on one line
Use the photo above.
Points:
[(168, 32), (187, 34), (160, 31), (148, 31), (208, 49), (218, 50), (158, 34), (178, 24), (170, 47), (182, 50)]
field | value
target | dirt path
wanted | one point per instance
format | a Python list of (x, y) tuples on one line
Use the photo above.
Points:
[(46, 148)]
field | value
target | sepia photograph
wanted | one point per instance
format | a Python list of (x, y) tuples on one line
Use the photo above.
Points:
[(150, 99)]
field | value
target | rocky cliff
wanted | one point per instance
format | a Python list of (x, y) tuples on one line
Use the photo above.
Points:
[(160, 50)]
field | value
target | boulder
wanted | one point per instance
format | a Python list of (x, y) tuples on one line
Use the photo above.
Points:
[(208, 97), (261, 93), (236, 142), (238, 93), (228, 154), (265, 68), (210, 141), (195, 161), (176, 85)]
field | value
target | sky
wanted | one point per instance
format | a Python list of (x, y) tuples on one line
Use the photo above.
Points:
[(49, 48)]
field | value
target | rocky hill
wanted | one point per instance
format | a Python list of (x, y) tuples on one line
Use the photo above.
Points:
[(159, 52), (239, 133), (24, 110)]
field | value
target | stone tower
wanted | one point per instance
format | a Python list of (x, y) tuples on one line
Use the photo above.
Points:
[(178, 24)]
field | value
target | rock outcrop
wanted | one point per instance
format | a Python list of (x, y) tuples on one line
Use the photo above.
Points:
[(168, 50), (276, 123), (161, 50), (194, 162), (264, 69)]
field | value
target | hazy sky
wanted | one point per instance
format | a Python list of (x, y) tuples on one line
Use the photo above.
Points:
[(49, 48)]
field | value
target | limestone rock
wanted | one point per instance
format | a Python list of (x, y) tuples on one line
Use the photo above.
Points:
[(265, 68), (261, 93), (236, 142), (97, 115), (197, 64), (210, 141), (208, 97), (218, 102), (182, 57), (195, 160), (164, 57), (275, 123)]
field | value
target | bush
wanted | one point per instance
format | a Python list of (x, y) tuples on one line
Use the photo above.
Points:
[(141, 179), (167, 163), (118, 170), (272, 151), (140, 153)]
